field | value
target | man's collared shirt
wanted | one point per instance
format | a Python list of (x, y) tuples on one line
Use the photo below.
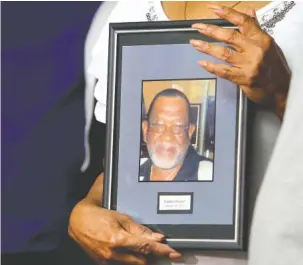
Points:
[(188, 171)]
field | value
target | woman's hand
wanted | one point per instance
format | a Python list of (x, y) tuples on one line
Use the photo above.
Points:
[(111, 236), (255, 63)]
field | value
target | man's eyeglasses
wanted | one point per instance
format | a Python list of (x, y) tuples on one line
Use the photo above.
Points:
[(177, 129)]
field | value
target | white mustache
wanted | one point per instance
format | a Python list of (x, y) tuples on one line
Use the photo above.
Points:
[(166, 162), (166, 145)]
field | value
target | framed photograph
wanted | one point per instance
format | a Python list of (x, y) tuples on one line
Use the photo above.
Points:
[(176, 134)]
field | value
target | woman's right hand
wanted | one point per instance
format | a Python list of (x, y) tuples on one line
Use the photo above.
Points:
[(257, 64)]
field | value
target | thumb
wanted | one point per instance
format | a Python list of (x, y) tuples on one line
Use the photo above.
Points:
[(139, 230), (146, 246)]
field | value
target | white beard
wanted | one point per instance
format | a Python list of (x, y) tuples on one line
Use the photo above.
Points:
[(164, 162)]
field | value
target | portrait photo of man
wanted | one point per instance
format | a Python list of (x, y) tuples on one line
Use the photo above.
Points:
[(167, 131)]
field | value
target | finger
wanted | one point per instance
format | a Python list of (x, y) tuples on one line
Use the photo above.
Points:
[(146, 246), (245, 23), (175, 256), (251, 12), (221, 52), (226, 35), (136, 259), (139, 230), (227, 72)]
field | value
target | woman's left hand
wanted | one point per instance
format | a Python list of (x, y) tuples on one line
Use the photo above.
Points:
[(255, 63)]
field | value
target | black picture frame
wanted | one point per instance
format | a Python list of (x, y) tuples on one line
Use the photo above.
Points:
[(185, 236)]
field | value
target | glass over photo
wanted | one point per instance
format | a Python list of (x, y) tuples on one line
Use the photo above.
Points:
[(177, 130)]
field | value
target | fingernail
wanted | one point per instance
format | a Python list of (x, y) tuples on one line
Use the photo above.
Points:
[(203, 63), (216, 8), (200, 26), (195, 42), (175, 256)]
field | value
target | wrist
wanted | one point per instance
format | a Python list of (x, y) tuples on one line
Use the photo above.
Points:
[(82, 207), (90, 202)]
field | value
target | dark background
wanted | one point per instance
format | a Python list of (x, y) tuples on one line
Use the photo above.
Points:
[(42, 83)]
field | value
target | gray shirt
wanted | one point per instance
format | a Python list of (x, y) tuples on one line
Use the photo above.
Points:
[(277, 227)]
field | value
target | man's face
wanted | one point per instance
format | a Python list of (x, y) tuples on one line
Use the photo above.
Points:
[(168, 132)]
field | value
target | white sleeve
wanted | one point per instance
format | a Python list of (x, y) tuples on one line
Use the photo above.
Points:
[(281, 27), (124, 11), (98, 69), (93, 33)]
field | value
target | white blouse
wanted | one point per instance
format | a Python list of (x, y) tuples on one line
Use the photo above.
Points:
[(282, 20), (124, 11)]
